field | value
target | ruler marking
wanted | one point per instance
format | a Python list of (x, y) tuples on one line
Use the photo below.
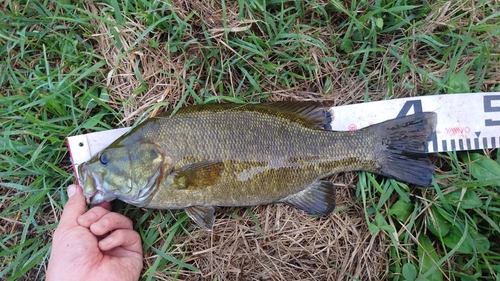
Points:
[(485, 142), (433, 138), (493, 143), (461, 144), (445, 145), (476, 143), (469, 143), (453, 146)]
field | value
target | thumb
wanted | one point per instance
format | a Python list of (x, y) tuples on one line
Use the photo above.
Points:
[(74, 208)]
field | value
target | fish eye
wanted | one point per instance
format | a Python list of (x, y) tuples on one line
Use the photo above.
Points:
[(104, 160)]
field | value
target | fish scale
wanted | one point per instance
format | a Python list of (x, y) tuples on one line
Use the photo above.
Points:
[(238, 155), (285, 142)]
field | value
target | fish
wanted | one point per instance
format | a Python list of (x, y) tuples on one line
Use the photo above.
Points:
[(207, 156)]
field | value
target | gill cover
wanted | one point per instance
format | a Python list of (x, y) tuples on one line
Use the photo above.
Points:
[(129, 173)]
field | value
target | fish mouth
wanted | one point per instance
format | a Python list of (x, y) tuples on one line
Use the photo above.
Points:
[(92, 187)]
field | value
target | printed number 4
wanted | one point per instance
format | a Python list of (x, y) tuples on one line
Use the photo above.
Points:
[(417, 108)]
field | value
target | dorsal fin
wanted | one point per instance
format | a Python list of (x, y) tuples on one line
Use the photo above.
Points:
[(314, 112), (308, 113)]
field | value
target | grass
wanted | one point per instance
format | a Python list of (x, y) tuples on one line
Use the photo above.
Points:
[(67, 69)]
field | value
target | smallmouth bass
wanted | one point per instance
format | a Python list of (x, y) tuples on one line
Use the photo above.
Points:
[(240, 155)]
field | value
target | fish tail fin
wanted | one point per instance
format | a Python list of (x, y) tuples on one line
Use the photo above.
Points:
[(404, 148)]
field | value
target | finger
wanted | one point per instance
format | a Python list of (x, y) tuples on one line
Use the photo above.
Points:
[(73, 209), (128, 239), (109, 222), (91, 216), (105, 205)]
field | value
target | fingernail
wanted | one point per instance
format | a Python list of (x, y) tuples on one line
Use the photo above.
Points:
[(106, 241), (87, 217), (98, 224), (71, 190)]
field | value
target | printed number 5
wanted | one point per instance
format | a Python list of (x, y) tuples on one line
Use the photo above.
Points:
[(488, 107)]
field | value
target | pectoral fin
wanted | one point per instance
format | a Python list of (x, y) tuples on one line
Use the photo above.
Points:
[(197, 175), (203, 216), (319, 198)]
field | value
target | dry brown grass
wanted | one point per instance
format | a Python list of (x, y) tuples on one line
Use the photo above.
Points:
[(279, 242), (292, 246), (150, 68), (156, 64)]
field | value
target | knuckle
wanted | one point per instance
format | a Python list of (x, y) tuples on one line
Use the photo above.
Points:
[(115, 220), (98, 211), (123, 221)]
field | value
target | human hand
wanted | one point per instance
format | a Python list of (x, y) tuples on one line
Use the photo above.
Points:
[(93, 245)]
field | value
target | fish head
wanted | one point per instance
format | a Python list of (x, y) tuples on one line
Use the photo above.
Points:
[(129, 173)]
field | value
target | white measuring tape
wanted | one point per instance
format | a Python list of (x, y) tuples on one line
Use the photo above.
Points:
[(465, 122)]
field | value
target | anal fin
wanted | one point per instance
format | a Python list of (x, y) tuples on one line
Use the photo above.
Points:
[(203, 216), (319, 198)]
